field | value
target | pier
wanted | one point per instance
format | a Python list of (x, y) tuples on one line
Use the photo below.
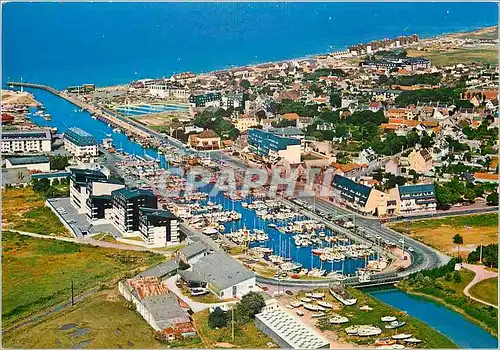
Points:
[(104, 115)]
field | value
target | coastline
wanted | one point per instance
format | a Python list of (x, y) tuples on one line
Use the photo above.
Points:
[(451, 307), (315, 55)]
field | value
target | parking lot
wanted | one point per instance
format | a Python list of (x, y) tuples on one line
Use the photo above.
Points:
[(79, 224)]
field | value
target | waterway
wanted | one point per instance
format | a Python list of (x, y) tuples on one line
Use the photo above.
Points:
[(463, 332), (455, 326)]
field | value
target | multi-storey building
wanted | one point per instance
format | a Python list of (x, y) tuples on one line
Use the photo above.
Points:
[(80, 143), (158, 227), (126, 204), (26, 141), (206, 99), (168, 91), (271, 146), (78, 186), (414, 198)]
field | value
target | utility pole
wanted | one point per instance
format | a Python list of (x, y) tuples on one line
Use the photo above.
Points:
[(232, 322), (72, 294), (403, 248), (481, 250)]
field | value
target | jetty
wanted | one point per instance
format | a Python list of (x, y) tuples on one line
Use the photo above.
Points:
[(102, 114)]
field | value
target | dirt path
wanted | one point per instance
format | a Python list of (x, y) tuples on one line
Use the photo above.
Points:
[(481, 274), (93, 242)]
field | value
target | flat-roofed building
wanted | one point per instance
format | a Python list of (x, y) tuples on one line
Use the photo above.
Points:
[(126, 204), (80, 143), (158, 228), (168, 91), (26, 141), (78, 186), (271, 146), (288, 331), (33, 164)]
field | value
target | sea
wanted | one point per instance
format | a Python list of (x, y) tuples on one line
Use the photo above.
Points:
[(70, 43)]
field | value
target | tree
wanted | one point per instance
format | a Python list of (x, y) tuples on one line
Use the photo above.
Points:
[(458, 240), (245, 84), (218, 318), (41, 186), (335, 100), (59, 162), (249, 306), (470, 194), (492, 198), (457, 278), (55, 182), (183, 265)]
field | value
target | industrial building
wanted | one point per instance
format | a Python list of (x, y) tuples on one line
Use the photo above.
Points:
[(27, 141), (289, 332), (33, 164)]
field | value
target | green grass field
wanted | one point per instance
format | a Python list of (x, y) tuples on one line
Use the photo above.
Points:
[(245, 336), (37, 273), (23, 209), (439, 233), (440, 58), (430, 337), (486, 290)]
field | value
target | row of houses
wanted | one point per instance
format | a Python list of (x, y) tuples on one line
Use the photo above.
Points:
[(367, 200)]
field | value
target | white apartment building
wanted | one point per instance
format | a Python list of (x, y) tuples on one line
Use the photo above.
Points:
[(168, 91), (26, 141), (80, 143)]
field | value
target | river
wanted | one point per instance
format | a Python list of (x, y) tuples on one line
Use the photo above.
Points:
[(455, 326)]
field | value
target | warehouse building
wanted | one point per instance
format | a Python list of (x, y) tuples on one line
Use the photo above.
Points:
[(289, 332), (220, 273), (33, 164), (26, 141)]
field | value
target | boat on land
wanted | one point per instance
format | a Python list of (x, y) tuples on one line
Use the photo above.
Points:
[(365, 308), (402, 336), (342, 295), (312, 307), (306, 300), (324, 304), (337, 319), (412, 340), (388, 318), (352, 330), (300, 313), (297, 304), (395, 324), (369, 331), (315, 295), (385, 341), (318, 314)]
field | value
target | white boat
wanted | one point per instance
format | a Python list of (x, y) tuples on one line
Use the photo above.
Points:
[(395, 324), (300, 313), (312, 307), (315, 295), (401, 336), (352, 330), (325, 304), (296, 304), (337, 319), (272, 225), (398, 346), (369, 331), (388, 318), (342, 295), (289, 307), (365, 308), (413, 340), (318, 314), (306, 300)]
